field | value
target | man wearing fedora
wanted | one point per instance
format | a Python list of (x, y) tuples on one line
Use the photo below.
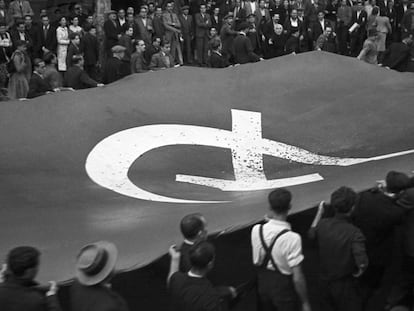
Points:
[(112, 31), (19, 291), (91, 290)]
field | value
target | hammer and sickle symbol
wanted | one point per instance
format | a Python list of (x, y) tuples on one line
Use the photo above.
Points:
[(110, 160)]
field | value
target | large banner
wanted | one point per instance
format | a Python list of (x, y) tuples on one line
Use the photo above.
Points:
[(126, 162)]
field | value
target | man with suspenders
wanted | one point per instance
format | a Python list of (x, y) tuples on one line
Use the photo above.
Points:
[(277, 252)]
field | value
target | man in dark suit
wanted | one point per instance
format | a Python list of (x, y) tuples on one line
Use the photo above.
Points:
[(187, 29), (253, 34), (35, 36), (48, 40), (38, 86), (397, 55), (319, 26), (239, 13), (20, 291), (216, 59), (90, 51), (243, 50), (76, 77), (112, 31), (114, 68), (216, 20), (202, 26), (162, 59), (158, 23), (144, 24), (359, 22), (20, 34)]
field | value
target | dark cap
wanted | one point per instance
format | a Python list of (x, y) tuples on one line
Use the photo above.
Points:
[(230, 14), (397, 181), (250, 15), (185, 7)]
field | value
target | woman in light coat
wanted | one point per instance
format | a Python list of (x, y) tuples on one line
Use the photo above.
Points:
[(62, 35), (383, 30)]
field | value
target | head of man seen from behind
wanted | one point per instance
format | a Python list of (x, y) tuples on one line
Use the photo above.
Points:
[(194, 227), (343, 200), (23, 262), (280, 202), (202, 257)]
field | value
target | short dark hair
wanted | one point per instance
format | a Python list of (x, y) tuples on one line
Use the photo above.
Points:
[(375, 10), (21, 259), (73, 35), (37, 62), (191, 225), (3, 24), (164, 43), (201, 255), (20, 22), (89, 27), (76, 59), (343, 199), (48, 57), (279, 200)]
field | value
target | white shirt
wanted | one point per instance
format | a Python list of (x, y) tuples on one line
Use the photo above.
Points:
[(122, 21), (293, 22), (287, 252), (322, 22), (253, 6)]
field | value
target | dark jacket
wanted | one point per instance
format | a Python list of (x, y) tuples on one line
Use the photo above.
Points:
[(397, 56), (111, 33), (243, 50), (95, 298), (91, 49), (50, 41), (72, 51), (16, 295), (77, 78), (114, 70), (38, 86), (217, 61)]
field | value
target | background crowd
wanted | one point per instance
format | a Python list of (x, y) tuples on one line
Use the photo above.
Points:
[(355, 235), (55, 51)]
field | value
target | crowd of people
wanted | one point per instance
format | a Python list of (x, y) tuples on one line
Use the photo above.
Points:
[(355, 236), (64, 51)]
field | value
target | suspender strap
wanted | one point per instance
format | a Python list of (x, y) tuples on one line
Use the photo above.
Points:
[(268, 249)]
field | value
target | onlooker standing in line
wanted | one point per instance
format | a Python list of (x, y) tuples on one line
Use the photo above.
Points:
[(342, 253), (202, 26), (91, 51), (187, 31), (277, 251), (48, 41), (173, 32), (112, 31), (18, 9), (62, 37), (5, 53)]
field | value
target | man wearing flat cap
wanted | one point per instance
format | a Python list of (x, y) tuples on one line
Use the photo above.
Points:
[(377, 215), (115, 68), (94, 270), (112, 30)]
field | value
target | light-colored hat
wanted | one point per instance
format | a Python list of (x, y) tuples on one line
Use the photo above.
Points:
[(118, 49), (111, 12), (96, 262)]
